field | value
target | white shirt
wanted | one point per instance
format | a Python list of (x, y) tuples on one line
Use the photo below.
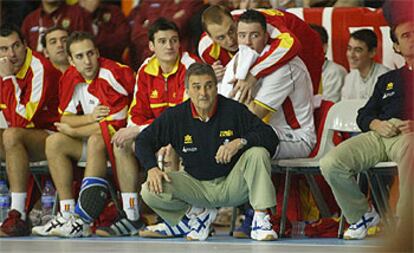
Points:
[(82, 97), (290, 82), (355, 87), (333, 77)]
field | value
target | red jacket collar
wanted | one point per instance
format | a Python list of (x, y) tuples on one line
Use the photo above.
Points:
[(195, 114)]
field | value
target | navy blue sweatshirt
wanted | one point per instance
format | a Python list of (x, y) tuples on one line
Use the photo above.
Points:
[(197, 142), (392, 98)]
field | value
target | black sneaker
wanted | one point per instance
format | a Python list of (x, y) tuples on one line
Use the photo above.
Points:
[(121, 227)]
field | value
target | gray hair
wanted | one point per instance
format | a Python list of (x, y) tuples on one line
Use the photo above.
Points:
[(198, 69)]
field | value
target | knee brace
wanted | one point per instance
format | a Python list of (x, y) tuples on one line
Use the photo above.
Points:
[(92, 198)]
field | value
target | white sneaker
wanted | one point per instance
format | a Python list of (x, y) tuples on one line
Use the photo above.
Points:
[(359, 229), (55, 222), (200, 225), (74, 227), (262, 229), (164, 230)]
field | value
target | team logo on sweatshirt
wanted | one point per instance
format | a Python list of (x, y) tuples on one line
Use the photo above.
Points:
[(154, 94), (106, 17), (188, 139), (390, 86), (226, 133), (66, 23)]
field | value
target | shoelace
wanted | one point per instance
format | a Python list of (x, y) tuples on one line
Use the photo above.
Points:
[(264, 223)]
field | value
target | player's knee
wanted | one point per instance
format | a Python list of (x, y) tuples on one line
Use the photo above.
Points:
[(122, 151), (96, 142), (54, 144), (12, 137)]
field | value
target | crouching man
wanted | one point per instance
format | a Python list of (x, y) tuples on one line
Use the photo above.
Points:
[(226, 154)]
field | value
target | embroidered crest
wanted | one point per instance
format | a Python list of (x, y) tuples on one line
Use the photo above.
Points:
[(390, 86), (188, 139), (154, 94), (106, 17), (66, 23)]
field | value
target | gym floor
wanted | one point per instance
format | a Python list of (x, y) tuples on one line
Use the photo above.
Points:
[(216, 244)]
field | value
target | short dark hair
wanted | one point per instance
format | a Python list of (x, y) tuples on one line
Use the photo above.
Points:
[(321, 31), (50, 30), (161, 24), (252, 16), (367, 36), (214, 15), (393, 37), (198, 69), (76, 37), (7, 29)]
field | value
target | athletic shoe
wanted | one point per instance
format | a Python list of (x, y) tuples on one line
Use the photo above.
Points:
[(36, 217), (74, 227), (121, 227), (200, 225), (359, 229), (13, 225), (246, 227), (164, 230), (55, 222), (262, 229)]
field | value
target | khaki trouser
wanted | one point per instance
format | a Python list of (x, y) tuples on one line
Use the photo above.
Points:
[(250, 179), (362, 152)]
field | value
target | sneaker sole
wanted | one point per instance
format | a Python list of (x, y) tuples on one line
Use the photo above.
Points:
[(240, 235), (38, 234), (267, 238), (103, 233), (153, 234), (191, 239), (2, 234), (54, 233), (349, 238)]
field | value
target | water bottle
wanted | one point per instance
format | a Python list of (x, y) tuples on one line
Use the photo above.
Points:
[(48, 201), (298, 229), (4, 200)]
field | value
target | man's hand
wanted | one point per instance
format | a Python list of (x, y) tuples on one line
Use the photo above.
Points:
[(154, 180), (227, 151), (406, 126), (245, 87), (124, 135), (99, 113), (64, 128), (384, 128), (219, 70), (6, 67)]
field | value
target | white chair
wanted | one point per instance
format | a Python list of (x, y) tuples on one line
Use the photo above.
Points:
[(341, 117), (310, 166)]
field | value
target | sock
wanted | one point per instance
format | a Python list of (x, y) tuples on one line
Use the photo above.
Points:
[(259, 214), (67, 207), (18, 201), (130, 205), (194, 211)]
